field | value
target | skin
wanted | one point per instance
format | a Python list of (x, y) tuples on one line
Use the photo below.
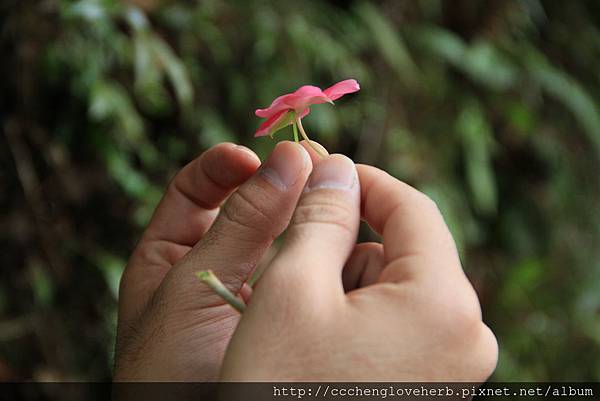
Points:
[(325, 308)]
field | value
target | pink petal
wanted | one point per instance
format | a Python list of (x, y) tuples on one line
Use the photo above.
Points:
[(342, 88), (297, 101), (269, 123), (304, 113), (276, 106), (305, 96), (273, 124)]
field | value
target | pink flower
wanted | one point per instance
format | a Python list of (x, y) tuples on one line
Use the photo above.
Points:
[(289, 109)]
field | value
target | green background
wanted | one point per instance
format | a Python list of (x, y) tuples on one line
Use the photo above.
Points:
[(490, 107)]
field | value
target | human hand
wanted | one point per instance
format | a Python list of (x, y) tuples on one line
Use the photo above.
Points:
[(328, 309), (171, 326)]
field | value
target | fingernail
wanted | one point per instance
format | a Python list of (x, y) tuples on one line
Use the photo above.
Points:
[(317, 145), (248, 152), (286, 163), (335, 172)]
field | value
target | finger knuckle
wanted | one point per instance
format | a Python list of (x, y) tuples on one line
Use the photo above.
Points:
[(181, 182), (427, 203), (325, 211), (466, 314), (488, 354), (458, 314), (481, 355), (369, 253), (242, 210), (368, 247)]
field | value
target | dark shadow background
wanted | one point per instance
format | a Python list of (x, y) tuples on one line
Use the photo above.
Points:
[(489, 106)]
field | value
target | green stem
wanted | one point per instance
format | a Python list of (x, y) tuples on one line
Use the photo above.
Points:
[(299, 124), (209, 278), (295, 131)]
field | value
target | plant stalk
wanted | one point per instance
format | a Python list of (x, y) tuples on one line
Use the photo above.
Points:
[(209, 278), (301, 128), (295, 128)]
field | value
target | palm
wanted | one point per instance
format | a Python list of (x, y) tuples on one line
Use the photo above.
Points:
[(171, 325)]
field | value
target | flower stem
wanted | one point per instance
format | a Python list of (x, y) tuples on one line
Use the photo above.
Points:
[(299, 124), (295, 132), (209, 278)]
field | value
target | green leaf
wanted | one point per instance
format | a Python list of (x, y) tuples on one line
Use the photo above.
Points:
[(475, 132), (174, 69), (41, 283), (522, 118), (148, 85), (520, 281), (287, 119), (111, 267), (442, 43), (481, 61), (91, 10), (571, 93), (388, 41), (485, 64), (137, 19), (109, 101)]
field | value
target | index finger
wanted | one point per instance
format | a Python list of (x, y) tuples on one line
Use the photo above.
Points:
[(185, 213), (410, 223), (191, 201)]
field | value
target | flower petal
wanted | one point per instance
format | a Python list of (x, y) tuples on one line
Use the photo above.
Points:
[(268, 127), (304, 97), (297, 101), (276, 106), (342, 88), (277, 122)]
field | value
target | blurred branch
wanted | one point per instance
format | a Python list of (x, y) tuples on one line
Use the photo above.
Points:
[(16, 328), (33, 195)]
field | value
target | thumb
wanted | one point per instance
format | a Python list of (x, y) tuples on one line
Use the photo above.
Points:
[(251, 218), (321, 235)]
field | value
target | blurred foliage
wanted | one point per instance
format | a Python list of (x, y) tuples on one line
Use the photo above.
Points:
[(490, 107)]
